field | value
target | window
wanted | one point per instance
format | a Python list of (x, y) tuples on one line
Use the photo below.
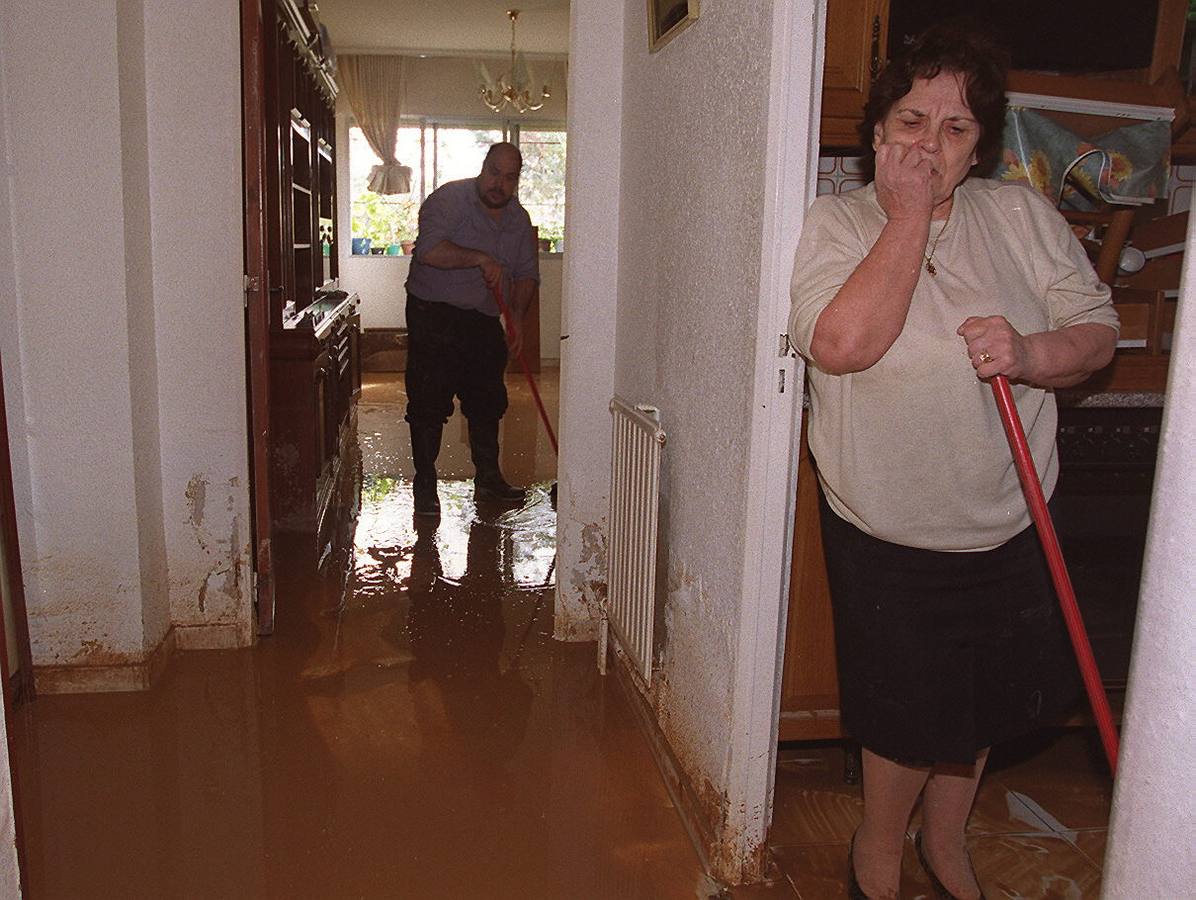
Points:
[(542, 184), (439, 152)]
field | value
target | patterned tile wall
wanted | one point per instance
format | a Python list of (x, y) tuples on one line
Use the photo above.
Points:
[(838, 174)]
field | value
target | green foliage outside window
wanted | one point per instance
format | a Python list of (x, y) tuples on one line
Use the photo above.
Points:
[(384, 219), (387, 220), (542, 183)]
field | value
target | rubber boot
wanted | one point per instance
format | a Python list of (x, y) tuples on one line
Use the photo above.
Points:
[(488, 483), (425, 447)]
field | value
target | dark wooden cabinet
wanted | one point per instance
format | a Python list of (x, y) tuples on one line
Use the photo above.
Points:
[(859, 41), (315, 381), (810, 682), (314, 327), (856, 35)]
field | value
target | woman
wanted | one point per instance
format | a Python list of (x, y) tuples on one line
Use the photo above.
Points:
[(908, 296)]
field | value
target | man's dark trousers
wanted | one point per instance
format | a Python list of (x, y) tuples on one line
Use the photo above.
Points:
[(453, 352)]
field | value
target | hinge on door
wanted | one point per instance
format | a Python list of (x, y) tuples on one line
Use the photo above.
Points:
[(785, 346)]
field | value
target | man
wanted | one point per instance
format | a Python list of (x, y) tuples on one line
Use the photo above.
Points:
[(474, 236)]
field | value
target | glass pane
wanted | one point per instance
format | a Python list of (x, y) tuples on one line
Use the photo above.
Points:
[(460, 151), (542, 183), (385, 221)]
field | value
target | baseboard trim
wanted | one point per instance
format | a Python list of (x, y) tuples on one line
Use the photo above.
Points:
[(678, 784), (224, 636), (137, 676)]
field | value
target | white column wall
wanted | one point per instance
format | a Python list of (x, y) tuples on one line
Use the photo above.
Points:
[(1152, 842), (690, 247), (193, 103), (139, 295), (125, 363), (68, 357), (589, 304)]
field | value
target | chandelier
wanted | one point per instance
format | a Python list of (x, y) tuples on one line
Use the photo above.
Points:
[(510, 88)]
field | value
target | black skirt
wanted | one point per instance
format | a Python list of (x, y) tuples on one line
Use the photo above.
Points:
[(943, 654)]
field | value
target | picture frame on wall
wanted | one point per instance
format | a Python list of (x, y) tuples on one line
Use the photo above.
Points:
[(667, 19)]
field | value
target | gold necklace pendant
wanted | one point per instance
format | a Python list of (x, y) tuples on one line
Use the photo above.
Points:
[(929, 257)]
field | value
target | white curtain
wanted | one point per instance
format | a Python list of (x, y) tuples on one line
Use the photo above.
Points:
[(375, 87)]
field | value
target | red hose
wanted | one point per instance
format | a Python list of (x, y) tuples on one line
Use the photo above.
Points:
[(506, 314), (1032, 488)]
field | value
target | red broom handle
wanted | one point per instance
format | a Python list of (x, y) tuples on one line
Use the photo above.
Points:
[(506, 314), (1032, 488)]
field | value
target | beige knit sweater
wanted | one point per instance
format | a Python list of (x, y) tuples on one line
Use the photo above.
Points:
[(912, 450)]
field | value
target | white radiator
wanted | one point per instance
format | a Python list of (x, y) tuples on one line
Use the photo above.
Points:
[(636, 446)]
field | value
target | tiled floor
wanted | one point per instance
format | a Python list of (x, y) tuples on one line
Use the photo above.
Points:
[(421, 736), (1037, 830)]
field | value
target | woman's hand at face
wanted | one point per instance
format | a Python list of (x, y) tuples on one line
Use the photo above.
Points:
[(995, 347), (904, 182)]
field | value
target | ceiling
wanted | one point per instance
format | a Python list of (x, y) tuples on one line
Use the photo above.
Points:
[(445, 26)]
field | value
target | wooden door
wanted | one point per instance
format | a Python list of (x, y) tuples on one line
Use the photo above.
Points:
[(857, 32), (18, 688), (810, 683), (13, 581), (257, 306)]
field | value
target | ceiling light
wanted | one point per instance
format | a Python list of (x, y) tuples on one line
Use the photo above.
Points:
[(511, 89)]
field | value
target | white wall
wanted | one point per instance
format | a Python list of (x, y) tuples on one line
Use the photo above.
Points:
[(71, 356), (690, 249), (591, 283), (192, 67), (1151, 847), (713, 138), (124, 368)]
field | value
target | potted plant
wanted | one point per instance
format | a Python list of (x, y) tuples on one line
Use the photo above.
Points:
[(552, 238)]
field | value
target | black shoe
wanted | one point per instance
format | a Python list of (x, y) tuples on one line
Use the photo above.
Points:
[(427, 501), (496, 488), (488, 483), (940, 891)]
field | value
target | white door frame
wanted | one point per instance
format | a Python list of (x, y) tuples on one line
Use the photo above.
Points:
[(790, 184)]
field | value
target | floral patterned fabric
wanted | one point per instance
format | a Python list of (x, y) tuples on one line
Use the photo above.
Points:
[(1129, 165)]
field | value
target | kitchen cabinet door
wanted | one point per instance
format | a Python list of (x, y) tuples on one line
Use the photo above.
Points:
[(856, 35)]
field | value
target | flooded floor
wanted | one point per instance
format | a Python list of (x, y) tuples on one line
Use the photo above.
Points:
[(419, 736), (1037, 830), (411, 730)]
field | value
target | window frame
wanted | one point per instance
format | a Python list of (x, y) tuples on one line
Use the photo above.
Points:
[(429, 126)]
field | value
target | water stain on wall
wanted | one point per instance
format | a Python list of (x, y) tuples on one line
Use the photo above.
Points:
[(226, 555), (197, 498), (587, 582)]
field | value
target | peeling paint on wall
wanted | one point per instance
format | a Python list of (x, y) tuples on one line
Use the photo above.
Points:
[(197, 493), (691, 697), (93, 652), (586, 580), (218, 591)]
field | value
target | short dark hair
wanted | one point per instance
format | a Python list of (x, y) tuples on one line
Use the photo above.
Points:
[(503, 146), (951, 47)]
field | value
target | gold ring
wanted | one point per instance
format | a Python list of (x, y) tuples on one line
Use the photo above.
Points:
[(984, 357)]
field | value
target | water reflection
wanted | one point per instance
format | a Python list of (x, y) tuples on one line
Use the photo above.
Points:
[(388, 534)]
